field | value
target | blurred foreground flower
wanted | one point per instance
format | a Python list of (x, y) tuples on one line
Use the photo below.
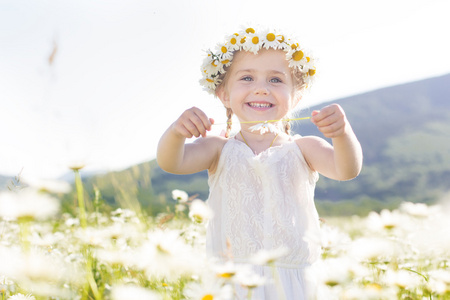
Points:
[(199, 212), (20, 296), (121, 292), (180, 196), (266, 257), (210, 288), (27, 204), (48, 186)]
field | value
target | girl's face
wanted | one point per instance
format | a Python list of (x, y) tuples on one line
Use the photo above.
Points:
[(259, 87)]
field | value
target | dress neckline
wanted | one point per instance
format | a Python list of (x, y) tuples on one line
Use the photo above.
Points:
[(269, 149)]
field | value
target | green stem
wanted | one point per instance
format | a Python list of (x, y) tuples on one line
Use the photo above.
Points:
[(277, 281), (91, 279), (267, 121), (80, 195), (24, 233), (249, 294)]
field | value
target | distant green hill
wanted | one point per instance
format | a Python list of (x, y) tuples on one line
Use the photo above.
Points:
[(404, 132)]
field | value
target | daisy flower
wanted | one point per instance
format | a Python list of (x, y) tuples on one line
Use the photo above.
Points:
[(232, 42), (225, 53), (27, 204), (213, 67), (20, 296), (264, 257), (270, 39), (296, 58), (210, 288), (210, 83), (199, 212), (129, 291), (249, 279), (180, 196), (252, 43), (47, 185), (265, 127)]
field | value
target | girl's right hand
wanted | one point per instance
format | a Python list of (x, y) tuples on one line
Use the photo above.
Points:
[(192, 122)]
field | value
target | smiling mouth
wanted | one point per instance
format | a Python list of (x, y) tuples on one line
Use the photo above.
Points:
[(259, 105)]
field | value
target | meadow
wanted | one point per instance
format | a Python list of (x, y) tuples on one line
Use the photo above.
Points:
[(88, 250)]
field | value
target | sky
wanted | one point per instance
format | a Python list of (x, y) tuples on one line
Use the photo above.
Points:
[(97, 82)]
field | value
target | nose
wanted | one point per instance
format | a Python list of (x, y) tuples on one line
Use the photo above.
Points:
[(261, 89)]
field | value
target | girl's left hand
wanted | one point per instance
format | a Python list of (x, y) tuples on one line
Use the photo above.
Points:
[(330, 120)]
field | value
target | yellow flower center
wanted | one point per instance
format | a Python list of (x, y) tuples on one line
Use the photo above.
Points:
[(208, 297), (270, 37), (294, 46), (225, 61), (214, 63), (255, 40), (308, 59), (210, 80), (226, 275), (281, 38), (243, 40), (250, 30), (233, 41), (297, 56), (224, 49), (311, 72)]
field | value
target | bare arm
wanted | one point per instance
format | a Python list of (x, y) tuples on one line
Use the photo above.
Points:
[(343, 159), (174, 156)]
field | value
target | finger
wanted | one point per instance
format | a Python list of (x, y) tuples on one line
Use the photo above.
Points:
[(206, 122), (199, 124)]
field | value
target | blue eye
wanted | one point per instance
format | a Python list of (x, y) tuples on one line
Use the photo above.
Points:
[(246, 78), (275, 80)]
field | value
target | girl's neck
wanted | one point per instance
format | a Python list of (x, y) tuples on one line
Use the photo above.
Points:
[(258, 142)]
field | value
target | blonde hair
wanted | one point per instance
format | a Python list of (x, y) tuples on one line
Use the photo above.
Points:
[(299, 86)]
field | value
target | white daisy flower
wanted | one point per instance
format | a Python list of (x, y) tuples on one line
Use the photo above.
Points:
[(199, 212), (213, 67), (47, 185), (282, 42), (264, 257), (27, 204), (210, 83), (253, 43), (249, 279), (420, 210), (270, 39), (180, 196), (20, 296), (265, 127), (210, 288), (166, 254), (120, 292), (296, 58), (224, 52), (232, 42)]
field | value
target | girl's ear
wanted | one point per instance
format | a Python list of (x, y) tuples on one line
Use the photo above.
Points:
[(223, 96)]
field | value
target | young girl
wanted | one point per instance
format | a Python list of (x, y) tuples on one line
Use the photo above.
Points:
[(262, 183)]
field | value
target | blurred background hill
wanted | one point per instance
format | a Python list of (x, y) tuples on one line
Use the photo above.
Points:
[(404, 132)]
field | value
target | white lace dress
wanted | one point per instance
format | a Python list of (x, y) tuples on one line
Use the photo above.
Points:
[(264, 201)]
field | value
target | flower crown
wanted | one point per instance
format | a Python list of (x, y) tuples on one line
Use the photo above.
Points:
[(251, 41)]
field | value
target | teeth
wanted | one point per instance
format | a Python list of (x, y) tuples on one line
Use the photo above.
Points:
[(260, 104)]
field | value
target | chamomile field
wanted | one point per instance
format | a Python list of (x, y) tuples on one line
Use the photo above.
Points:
[(87, 250)]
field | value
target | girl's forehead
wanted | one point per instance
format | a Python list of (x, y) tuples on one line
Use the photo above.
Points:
[(265, 59)]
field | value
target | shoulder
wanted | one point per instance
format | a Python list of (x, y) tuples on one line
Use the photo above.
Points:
[(212, 141), (313, 148), (309, 141), (213, 145)]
